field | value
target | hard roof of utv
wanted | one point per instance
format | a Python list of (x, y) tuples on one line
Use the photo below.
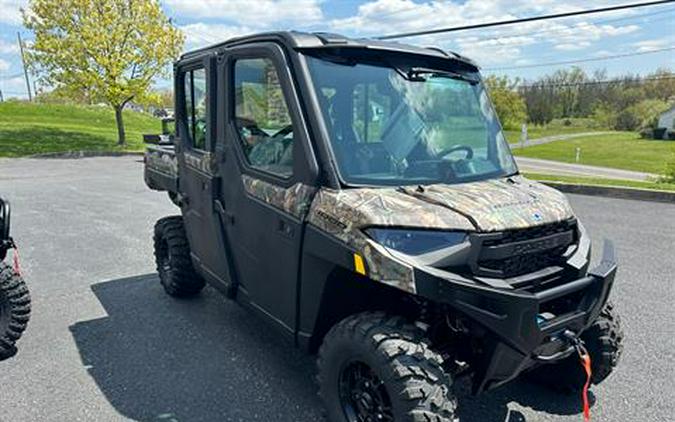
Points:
[(323, 40)]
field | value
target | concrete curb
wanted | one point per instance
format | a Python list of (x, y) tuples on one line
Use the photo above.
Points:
[(615, 192), (85, 154)]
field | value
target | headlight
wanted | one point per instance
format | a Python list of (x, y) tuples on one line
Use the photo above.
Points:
[(415, 242)]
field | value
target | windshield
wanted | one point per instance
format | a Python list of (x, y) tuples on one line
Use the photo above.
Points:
[(404, 126)]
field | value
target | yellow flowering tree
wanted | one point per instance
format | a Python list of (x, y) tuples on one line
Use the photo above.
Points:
[(110, 49)]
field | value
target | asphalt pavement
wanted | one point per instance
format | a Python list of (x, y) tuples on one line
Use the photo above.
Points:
[(106, 344)]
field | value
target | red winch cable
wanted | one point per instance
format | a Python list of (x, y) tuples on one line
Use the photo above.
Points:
[(16, 261), (586, 364)]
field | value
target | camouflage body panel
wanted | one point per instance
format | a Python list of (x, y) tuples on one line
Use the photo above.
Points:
[(204, 162), (161, 160), (491, 205), (344, 213), (294, 200), (500, 204)]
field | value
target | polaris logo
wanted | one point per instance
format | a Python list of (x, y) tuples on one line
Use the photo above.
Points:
[(331, 220)]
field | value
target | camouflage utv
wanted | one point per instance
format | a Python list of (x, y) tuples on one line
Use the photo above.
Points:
[(360, 196), (14, 297)]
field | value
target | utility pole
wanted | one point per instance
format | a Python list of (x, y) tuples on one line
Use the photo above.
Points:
[(1, 98), (25, 69)]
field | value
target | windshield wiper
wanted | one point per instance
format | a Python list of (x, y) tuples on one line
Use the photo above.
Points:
[(421, 74)]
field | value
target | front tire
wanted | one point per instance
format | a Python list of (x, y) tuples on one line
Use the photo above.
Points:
[(14, 310), (603, 340), (172, 256), (375, 367)]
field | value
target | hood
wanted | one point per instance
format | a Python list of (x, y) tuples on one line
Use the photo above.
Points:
[(491, 205), (499, 204)]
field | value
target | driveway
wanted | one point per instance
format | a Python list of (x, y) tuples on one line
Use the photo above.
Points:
[(536, 165), (553, 138), (106, 344)]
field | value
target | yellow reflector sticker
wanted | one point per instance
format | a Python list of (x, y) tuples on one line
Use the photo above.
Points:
[(359, 266)]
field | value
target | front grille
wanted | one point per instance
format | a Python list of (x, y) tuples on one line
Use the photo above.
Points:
[(517, 252)]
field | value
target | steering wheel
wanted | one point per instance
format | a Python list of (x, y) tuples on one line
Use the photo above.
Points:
[(283, 131), (448, 151)]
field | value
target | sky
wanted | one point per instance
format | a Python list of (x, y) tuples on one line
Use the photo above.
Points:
[(506, 50)]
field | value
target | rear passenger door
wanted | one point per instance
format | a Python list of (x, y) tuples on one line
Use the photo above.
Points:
[(199, 180), (268, 173)]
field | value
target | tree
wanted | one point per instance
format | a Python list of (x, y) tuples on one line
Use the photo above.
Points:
[(509, 104), (110, 49)]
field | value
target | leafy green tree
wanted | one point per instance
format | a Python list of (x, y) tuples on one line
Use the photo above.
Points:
[(605, 115), (110, 49), (509, 104), (647, 112)]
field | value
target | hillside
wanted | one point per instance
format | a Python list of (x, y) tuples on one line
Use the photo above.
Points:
[(29, 128)]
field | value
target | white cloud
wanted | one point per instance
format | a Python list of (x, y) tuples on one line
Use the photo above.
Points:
[(202, 34), (10, 11), (654, 44), (253, 13), (4, 65), (487, 46), (8, 47), (572, 47), (14, 87)]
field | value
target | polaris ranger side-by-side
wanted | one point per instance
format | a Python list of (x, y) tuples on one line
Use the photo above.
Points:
[(14, 296), (360, 196)]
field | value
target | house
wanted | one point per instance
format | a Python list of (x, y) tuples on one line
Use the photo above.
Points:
[(665, 127)]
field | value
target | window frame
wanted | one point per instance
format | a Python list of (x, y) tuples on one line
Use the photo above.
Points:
[(183, 133), (274, 53)]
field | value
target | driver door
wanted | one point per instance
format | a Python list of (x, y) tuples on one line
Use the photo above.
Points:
[(267, 174)]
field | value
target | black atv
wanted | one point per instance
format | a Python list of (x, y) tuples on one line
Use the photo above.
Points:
[(14, 296), (361, 197)]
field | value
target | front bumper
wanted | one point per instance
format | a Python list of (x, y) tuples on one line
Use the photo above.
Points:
[(518, 337)]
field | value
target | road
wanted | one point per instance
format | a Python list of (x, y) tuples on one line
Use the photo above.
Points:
[(562, 137), (536, 165), (106, 344)]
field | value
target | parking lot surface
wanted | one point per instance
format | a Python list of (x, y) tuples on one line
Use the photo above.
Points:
[(106, 344)]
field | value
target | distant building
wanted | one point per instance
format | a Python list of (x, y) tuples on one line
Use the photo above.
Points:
[(665, 126)]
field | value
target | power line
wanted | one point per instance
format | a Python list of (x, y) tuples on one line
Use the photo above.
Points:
[(590, 83), (523, 20), (568, 28), (592, 59)]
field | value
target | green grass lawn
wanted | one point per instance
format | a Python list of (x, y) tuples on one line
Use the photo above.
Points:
[(601, 182), (621, 150), (29, 128)]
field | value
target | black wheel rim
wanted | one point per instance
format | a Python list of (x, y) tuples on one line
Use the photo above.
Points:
[(363, 395)]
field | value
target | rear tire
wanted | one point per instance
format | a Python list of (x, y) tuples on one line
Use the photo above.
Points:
[(603, 340), (376, 366), (14, 310), (172, 255)]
